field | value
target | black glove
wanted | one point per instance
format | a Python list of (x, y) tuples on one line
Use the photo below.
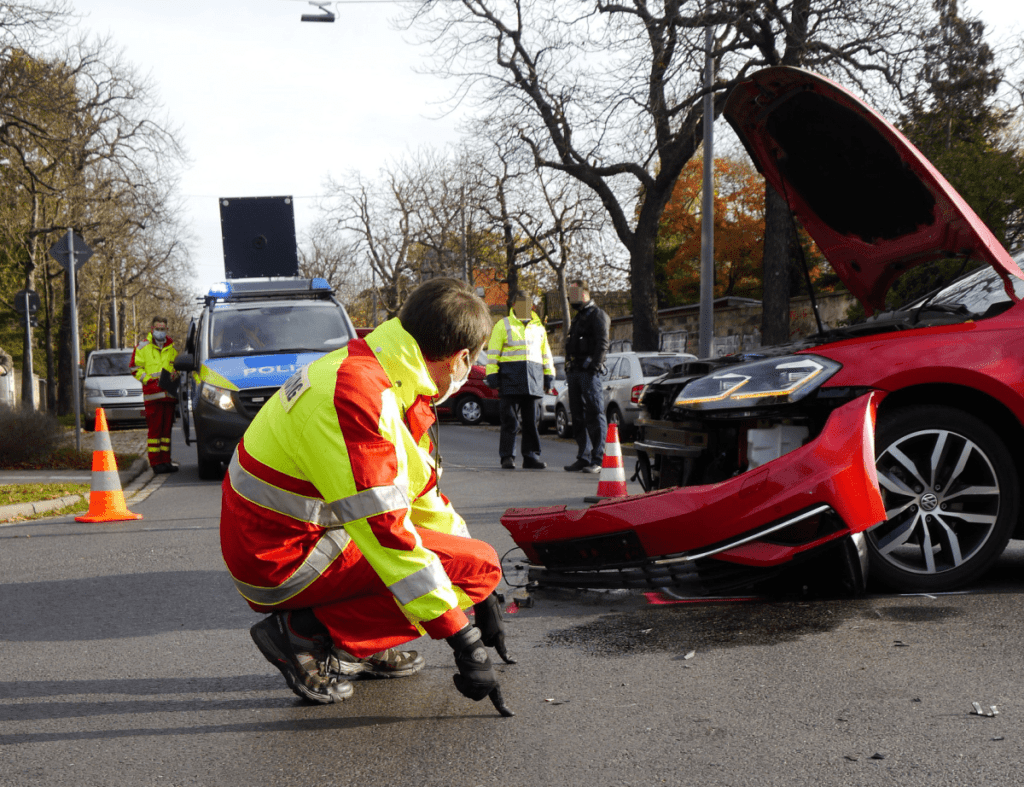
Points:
[(476, 674), (492, 627)]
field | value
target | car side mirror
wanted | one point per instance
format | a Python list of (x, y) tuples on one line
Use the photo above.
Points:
[(185, 362)]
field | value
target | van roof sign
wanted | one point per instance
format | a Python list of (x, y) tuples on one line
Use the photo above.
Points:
[(258, 235)]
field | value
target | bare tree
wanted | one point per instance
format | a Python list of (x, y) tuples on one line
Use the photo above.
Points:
[(610, 93)]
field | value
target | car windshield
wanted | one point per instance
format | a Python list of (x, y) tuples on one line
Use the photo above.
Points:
[(109, 364), (276, 328), (976, 292), (656, 366), (559, 370)]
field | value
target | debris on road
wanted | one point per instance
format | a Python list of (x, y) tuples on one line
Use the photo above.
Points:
[(983, 710)]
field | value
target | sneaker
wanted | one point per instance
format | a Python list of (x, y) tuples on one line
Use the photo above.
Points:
[(529, 463), (508, 463), (304, 663), (592, 468), (576, 466), (163, 467), (390, 663)]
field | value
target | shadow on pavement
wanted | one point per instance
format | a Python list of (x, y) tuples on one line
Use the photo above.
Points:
[(121, 606)]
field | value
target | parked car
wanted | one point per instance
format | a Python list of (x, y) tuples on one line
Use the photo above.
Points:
[(107, 383), (475, 402), (546, 416), (624, 378), (249, 338), (890, 446)]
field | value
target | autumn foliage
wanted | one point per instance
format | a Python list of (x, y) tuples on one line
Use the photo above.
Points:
[(739, 235)]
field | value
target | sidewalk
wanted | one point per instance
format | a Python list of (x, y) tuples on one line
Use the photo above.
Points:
[(132, 478)]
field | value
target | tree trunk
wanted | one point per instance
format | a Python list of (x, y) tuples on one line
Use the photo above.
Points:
[(775, 304), (644, 293)]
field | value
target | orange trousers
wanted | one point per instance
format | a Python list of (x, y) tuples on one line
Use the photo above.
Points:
[(360, 612)]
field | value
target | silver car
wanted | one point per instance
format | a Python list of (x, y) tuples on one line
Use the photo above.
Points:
[(623, 381), (546, 419), (107, 384)]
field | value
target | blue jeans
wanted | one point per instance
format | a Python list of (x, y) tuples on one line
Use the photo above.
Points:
[(586, 407)]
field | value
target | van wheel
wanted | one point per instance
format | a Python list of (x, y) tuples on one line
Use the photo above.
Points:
[(951, 499), (90, 425), (209, 469)]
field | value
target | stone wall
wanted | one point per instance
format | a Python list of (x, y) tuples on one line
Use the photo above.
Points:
[(737, 322)]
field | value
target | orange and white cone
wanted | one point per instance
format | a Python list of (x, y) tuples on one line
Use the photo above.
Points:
[(106, 499), (613, 476)]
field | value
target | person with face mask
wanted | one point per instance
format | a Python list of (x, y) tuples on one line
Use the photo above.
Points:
[(520, 367), (150, 357), (332, 520), (585, 352)]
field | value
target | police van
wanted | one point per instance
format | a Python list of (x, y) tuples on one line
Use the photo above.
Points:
[(251, 336)]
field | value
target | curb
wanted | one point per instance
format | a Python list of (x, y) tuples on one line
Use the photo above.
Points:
[(132, 480)]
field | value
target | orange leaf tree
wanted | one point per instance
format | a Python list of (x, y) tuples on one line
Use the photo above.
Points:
[(739, 237)]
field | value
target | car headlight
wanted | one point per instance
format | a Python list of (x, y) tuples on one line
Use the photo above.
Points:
[(771, 381), (218, 397)]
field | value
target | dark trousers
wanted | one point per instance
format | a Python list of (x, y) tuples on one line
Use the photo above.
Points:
[(586, 406), (519, 413)]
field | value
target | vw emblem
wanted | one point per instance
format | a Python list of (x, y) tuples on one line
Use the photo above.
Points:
[(929, 502)]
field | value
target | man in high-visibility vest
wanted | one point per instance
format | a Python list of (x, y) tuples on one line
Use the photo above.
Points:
[(332, 519), (152, 356), (520, 366)]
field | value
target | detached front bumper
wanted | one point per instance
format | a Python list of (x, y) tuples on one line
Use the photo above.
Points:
[(722, 535)]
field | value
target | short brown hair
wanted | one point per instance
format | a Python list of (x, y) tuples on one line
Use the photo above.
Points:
[(444, 316), (155, 320)]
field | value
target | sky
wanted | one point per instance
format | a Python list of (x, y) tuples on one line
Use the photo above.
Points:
[(270, 106)]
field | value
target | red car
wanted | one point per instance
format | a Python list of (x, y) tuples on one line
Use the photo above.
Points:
[(475, 402), (889, 446)]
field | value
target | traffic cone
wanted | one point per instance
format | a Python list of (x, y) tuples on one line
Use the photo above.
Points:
[(613, 477), (106, 500)]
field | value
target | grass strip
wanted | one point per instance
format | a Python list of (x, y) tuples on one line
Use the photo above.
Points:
[(33, 493)]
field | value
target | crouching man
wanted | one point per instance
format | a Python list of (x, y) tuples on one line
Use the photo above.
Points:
[(332, 520)]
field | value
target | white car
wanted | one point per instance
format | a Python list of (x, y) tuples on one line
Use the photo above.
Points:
[(546, 419), (106, 383), (623, 381)]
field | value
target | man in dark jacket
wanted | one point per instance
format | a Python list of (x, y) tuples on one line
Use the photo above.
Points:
[(520, 366), (585, 352)]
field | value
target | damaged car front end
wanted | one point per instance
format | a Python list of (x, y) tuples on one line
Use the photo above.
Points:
[(892, 443), (724, 535)]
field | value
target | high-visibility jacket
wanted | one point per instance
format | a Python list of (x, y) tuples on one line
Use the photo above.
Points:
[(338, 463), (519, 357), (147, 361)]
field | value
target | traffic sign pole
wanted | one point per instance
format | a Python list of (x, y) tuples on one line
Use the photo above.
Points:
[(74, 340), (28, 383)]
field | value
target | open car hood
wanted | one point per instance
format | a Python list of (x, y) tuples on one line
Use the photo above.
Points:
[(874, 205)]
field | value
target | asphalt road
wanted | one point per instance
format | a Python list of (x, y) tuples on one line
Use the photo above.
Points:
[(126, 660)]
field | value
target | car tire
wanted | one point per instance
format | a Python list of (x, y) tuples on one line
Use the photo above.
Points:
[(469, 410), (90, 425), (615, 417), (209, 469), (562, 422), (949, 486)]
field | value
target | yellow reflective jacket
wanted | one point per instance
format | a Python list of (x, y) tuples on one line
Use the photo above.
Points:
[(519, 359), (147, 361), (339, 459)]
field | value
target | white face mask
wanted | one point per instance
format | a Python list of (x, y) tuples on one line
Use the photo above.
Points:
[(159, 336), (454, 386)]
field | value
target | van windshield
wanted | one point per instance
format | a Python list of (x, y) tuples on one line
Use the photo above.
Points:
[(277, 328), (109, 364)]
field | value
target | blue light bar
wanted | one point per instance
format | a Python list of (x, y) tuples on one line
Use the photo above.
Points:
[(220, 290), (319, 284)]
